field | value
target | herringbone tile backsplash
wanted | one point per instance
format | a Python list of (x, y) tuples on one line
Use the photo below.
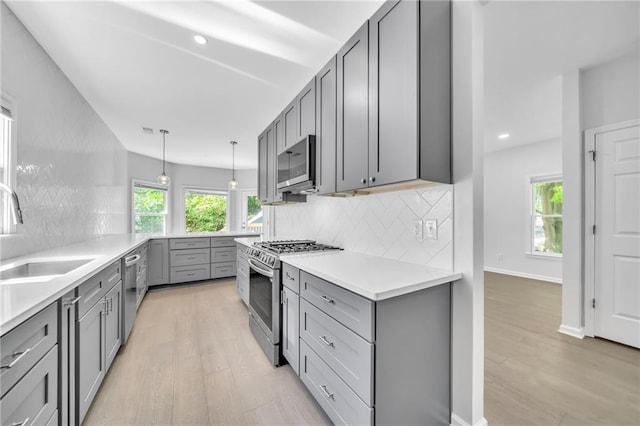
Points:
[(378, 224)]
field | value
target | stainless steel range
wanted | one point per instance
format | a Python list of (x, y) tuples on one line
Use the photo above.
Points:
[(265, 311)]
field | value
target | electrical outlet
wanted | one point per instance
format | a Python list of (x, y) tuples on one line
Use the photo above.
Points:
[(431, 229), (417, 229)]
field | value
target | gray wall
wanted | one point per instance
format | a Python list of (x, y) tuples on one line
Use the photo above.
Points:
[(71, 169)]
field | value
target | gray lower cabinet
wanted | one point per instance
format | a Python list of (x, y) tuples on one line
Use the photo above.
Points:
[(158, 262), (383, 362), (67, 358), (290, 328), (98, 338), (223, 257), (242, 273), (29, 373)]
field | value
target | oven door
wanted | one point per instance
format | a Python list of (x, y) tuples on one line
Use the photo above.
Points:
[(264, 298)]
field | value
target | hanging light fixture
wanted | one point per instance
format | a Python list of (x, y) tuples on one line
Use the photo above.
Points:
[(233, 183), (163, 179)]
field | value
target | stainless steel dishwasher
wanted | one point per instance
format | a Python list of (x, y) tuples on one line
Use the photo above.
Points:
[(130, 292)]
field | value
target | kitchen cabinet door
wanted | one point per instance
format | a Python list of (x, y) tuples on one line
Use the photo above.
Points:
[(306, 110), (326, 109), (393, 93), (67, 371), (289, 126), (158, 262), (353, 115), (263, 169), (90, 359), (278, 136), (113, 323), (291, 328), (271, 160)]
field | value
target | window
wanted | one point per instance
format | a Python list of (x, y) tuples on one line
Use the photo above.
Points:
[(7, 168), (252, 217), (149, 208), (546, 215), (205, 210)]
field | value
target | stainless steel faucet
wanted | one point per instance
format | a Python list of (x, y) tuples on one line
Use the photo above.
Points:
[(15, 203)]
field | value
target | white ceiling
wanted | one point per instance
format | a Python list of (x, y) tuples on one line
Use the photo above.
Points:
[(136, 63), (529, 45)]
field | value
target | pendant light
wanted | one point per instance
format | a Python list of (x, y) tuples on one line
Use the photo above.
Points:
[(163, 179), (233, 183)]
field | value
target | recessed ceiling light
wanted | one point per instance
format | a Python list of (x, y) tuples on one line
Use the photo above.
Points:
[(504, 136), (200, 39)]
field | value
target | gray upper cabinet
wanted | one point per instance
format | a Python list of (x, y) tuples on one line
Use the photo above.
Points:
[(326, 109), (306, 110), (353, 117), (393, 93), (263, 169), (278, 127), (290, 126), (271, 159)]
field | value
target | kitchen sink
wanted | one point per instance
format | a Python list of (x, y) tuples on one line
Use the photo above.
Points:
[(39, 271)]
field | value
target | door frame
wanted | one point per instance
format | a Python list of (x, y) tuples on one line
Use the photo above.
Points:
[(590, 219)]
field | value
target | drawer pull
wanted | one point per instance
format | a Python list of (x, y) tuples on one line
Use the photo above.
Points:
[(327, 342), (289, 277), (326, 299), (22, 423), (190, 258), (326, 393), (19, 356), (191, 274), (72, 301)]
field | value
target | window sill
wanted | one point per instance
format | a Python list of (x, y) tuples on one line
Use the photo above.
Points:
[(556, 257)]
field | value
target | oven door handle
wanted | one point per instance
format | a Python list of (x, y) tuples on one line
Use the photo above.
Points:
[(258, 269)]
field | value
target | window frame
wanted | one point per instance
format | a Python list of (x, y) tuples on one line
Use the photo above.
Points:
[(532, 215), (167, 205), (7, 227), (204, 190)]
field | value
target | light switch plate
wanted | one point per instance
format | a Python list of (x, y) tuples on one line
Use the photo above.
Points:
[(417, 230), (431, 229)]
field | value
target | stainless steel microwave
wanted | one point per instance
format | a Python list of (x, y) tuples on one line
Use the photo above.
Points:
[(297, 167)]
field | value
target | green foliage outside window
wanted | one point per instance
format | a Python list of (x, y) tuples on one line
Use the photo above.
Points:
[(205, 212), (150, 210), (253, 206), (548, 217)]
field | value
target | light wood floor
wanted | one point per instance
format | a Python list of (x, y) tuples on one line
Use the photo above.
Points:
[(192, 360), (537, 376)]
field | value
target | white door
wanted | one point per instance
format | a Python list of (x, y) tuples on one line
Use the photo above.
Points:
[(617, 235)]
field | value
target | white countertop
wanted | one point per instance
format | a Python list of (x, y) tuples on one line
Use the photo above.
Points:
[(20, 301), (247, 241), (376, 278)]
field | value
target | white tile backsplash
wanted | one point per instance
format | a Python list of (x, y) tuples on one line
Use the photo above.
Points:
[(71, 169), (377, 224)]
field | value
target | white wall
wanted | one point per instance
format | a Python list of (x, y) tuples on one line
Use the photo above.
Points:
[(507, 204), (377, 224), (71, 169), (605, 94), (145, 168)]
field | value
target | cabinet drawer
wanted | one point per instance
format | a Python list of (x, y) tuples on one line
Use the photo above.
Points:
[(112, 274), (188, 243), (223, 242), (91, 291), (190, 257), (221, 270), (348, 308), (291, 277), (183, 274), (34, 399), (22, 347), (242, 269), (340, 403), (348, 354), (223, 254)]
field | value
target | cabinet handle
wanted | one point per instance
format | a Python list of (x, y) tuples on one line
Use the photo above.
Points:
[(363, 180), (327, 342), (190, 258), (22, 423), (19, 356), (326, 299), (111, 304), (326, 393), (72, 301), (191, 274), (289, 277), (372, 179)]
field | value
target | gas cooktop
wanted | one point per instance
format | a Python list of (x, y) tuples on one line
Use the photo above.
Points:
[(293, 246)]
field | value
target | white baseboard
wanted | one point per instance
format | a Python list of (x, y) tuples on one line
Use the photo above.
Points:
[(457, 421), (523, 275), (571, 331)]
